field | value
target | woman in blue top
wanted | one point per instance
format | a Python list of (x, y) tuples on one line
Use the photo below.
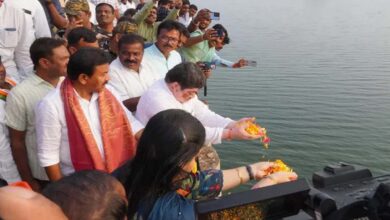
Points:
[(162, 182)]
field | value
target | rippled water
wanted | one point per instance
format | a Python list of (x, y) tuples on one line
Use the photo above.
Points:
[(322, 84)]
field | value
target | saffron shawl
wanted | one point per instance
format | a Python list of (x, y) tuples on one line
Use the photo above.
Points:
[(119, 143)]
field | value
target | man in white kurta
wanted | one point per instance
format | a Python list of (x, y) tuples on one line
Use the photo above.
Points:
[(54, 140), (128, 75), (129, 83), (178, 90), (159, 98), (52, 131), (162, 56)]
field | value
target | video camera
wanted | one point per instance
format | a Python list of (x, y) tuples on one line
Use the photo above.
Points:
[(340, 191)]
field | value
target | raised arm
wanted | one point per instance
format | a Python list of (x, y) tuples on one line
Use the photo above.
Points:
[(144, 12)]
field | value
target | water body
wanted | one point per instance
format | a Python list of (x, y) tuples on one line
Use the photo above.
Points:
[(322, 85)]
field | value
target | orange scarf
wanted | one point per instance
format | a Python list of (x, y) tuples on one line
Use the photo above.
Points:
[(118, 141)]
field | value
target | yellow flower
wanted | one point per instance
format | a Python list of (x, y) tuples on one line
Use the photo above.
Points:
[(279, 166)]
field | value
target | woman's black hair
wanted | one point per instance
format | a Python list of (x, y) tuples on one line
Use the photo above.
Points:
[(171, 139)]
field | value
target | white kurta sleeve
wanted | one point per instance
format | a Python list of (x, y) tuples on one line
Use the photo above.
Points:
[(208, 117), (221, 62), (48, 131), (214, 123)]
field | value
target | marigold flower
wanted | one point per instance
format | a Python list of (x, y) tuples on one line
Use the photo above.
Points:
[(254, 129), (279, 166)]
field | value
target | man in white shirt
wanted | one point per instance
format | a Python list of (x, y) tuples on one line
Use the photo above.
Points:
[(36, 25), (179, 91), (162, 55), (13, 40), (50, 58), (81, 125), (128, 75)]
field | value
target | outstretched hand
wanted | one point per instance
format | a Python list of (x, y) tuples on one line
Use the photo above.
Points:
[(240, 63), (239, 132), (276, 178)]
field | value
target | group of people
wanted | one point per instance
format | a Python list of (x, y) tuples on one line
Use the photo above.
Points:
[(83, 96)]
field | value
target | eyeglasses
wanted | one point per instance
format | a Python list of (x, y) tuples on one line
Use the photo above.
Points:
[(167, 39)]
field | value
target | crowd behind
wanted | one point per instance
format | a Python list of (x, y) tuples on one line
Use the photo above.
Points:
[(99, 112)]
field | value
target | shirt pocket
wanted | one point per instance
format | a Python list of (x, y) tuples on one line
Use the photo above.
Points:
[(8, 37)]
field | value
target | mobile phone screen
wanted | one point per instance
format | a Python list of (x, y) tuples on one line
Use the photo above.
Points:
[(214, 15), (252, 63)]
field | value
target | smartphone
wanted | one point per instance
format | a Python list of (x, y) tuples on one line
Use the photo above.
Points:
[(252, 63), (220, 33), (207, 65), (214, 16)]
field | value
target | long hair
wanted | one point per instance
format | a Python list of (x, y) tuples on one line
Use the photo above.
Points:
[(171, 139)]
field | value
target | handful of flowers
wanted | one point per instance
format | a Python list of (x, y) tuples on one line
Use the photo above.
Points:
[(254, 129), (279, 166)]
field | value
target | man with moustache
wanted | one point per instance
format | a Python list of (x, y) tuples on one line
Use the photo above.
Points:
[(162, 55), (122, 28), (50, 58), (128, 75), (82, 125)]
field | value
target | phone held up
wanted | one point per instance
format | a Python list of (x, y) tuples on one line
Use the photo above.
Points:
[(251, 63), (215, 16)]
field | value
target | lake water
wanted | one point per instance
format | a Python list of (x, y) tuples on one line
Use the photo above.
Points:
[(322, 85)]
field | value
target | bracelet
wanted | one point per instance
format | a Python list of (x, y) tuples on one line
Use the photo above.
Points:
[(250, 172), (239, 175)]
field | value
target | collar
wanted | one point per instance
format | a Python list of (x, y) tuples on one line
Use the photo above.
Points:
[(157, 51), (94, 96), (38, 80)]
